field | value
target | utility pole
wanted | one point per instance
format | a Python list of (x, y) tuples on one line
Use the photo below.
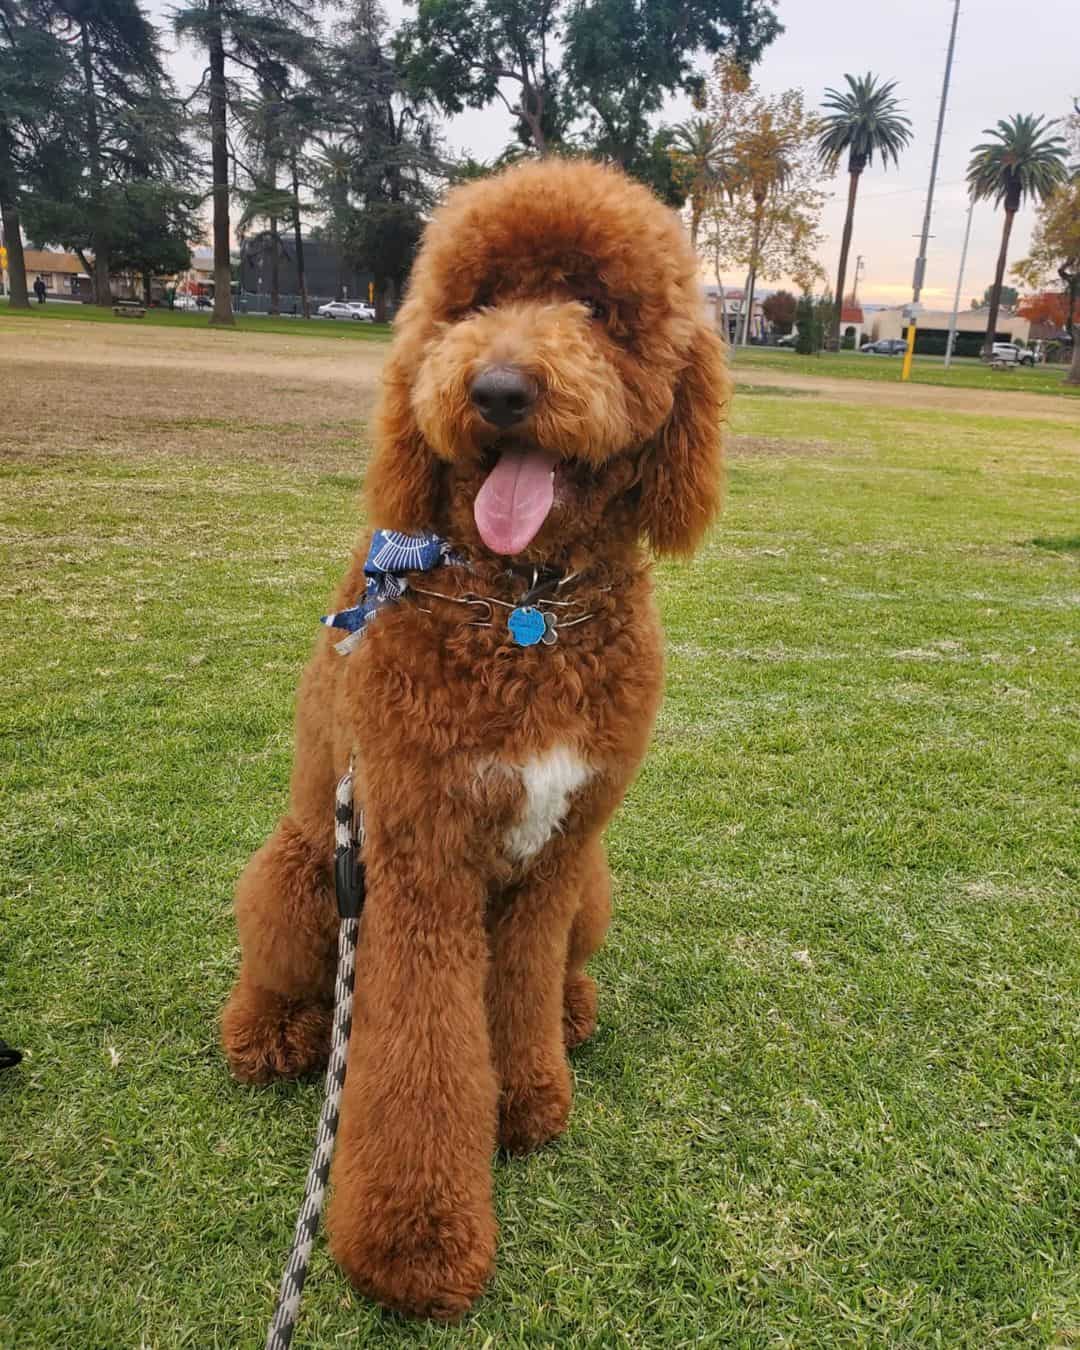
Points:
[(920, 261), (855, 283), (959, 287)]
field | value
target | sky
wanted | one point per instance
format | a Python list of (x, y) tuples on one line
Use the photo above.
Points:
[(1012, 56)]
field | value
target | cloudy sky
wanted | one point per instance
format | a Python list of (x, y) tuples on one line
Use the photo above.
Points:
[(1011, 56)]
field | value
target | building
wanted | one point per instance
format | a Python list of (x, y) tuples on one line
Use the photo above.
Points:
[(326, 272), (727, 307), (852, 325), (933, 329), (61, 272)]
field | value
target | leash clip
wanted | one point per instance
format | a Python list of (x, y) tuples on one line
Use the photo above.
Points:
[(349, 881), (348, 841)]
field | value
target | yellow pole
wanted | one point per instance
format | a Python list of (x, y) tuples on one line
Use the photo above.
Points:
[(905, 373)]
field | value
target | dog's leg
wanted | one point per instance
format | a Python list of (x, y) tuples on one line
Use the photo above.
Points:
[(411, 1219), (276, 1023), (586, 937), (529, 946)]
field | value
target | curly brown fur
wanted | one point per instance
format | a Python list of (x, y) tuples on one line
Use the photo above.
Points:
[(471, 982)]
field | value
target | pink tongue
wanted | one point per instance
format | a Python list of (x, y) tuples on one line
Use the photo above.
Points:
[(515, 500)]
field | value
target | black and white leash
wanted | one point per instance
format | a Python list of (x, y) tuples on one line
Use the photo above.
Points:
[(349, 884)]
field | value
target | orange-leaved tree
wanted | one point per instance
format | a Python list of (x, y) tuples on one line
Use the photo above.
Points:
[(1055, 255)]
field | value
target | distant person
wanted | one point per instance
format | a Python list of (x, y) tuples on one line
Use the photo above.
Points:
[(39, 290)]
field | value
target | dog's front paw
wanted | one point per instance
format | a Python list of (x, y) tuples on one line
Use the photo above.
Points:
[(267, 1036), (429, 1261), (533, 1114), (579, 1010)]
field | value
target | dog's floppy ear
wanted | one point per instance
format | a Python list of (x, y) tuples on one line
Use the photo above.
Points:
[(681, 480), (402, 486)]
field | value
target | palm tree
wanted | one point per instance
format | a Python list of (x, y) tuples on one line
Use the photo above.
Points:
[(862, 121), (1021, 161), (699, 152)]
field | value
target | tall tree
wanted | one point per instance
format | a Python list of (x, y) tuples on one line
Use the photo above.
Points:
[(584, 73), (262, 131), (121, 125), (385, 135), (1055, 254), (258, 36), (33, 68), (120, 83), (1021, 160), (862, 121), (767, 218), (698, 148)]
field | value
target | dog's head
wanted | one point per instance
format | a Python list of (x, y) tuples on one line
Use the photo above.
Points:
[(551, 371)]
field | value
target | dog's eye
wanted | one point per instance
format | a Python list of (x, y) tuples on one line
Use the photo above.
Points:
[(596, 308)]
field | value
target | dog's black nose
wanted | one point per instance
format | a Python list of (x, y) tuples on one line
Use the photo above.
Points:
[(503, 395)]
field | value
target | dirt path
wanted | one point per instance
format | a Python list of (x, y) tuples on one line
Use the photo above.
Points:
[(342, 360), (924, 397), (200, 359)]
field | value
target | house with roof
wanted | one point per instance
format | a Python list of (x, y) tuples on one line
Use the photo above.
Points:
[(852, 324), (726, 303), (61, 272)]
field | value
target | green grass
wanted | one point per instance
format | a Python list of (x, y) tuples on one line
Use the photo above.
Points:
[(178, 319), (964, 373), (832, 1101)]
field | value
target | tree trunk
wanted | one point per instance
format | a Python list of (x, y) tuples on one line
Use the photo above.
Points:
[(841, 271), (531, 107), (102, 287), (999, 277), (147, 290), (1073, 376), (697, 210), (219, 156), (12, 231), (275, 267), (301, 276), (751, 278)]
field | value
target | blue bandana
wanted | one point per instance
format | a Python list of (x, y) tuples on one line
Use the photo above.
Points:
[(391, 554)]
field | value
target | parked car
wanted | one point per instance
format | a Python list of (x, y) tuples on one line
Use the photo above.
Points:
[(346, 309), (884, 347), (788, 340), (1011, 354)]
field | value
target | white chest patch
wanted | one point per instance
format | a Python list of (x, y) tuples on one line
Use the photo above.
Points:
[(550, 780)]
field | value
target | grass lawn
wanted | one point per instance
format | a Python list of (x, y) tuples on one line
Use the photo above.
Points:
[(964, 373), (832, 1101), (65, 311)]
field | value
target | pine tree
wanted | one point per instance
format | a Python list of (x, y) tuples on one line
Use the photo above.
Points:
[(121, 126), (33, 67), (382, 164), (267, 40)]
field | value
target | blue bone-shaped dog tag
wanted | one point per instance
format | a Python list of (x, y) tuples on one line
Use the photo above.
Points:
[(526, 625)]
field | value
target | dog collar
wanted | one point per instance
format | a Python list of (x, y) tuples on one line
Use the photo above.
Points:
[(533, 619)]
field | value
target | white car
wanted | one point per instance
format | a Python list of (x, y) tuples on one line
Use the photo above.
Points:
[(346, 309), (1010, 354)]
